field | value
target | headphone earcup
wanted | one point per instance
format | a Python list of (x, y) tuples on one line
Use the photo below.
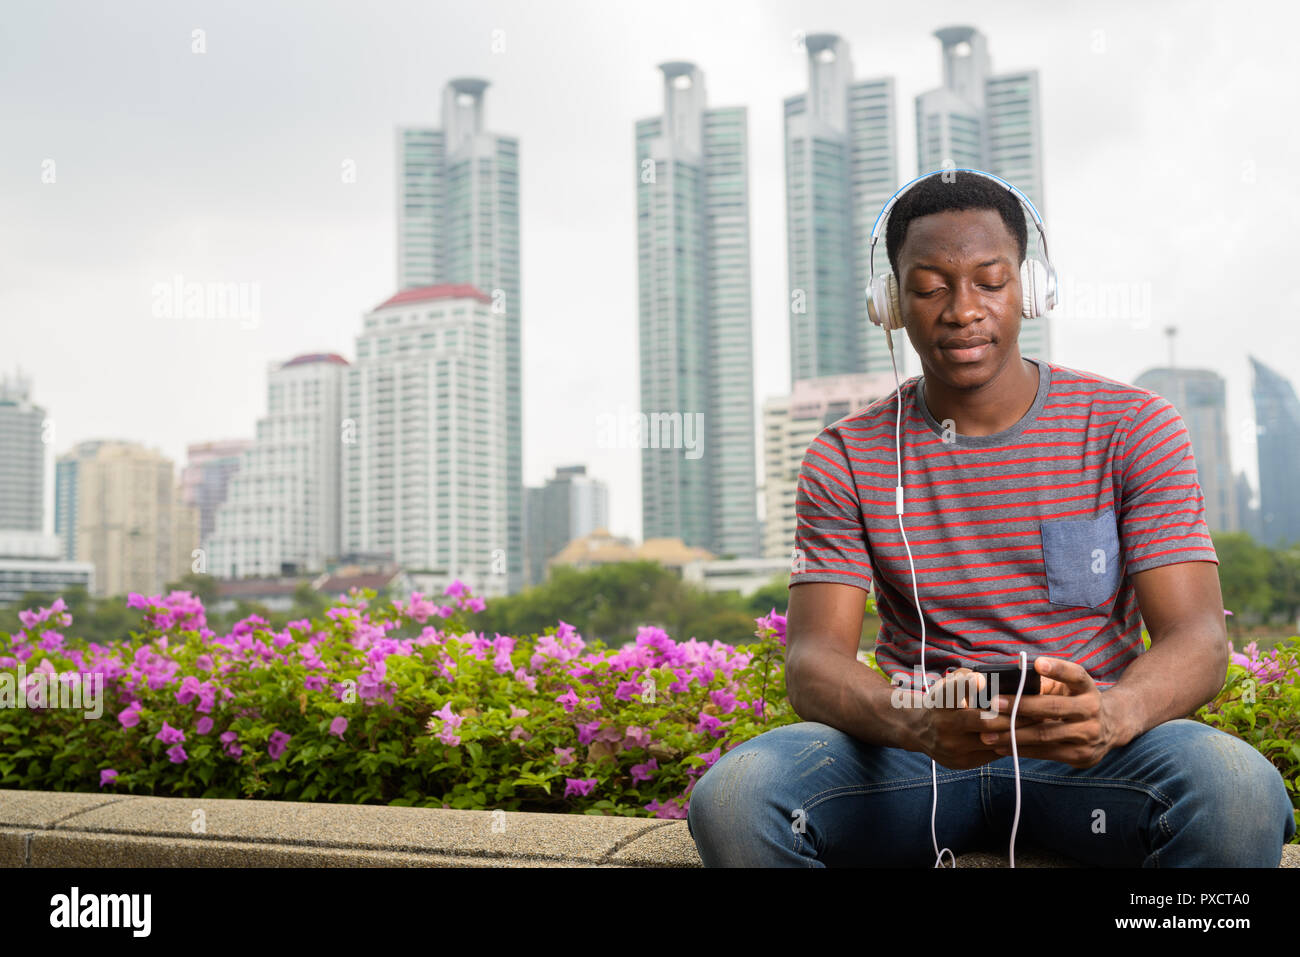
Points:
[(1033, 286), (895, 310), (882, 304)]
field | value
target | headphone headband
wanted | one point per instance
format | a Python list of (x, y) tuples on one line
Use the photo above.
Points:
[(1024, 200)]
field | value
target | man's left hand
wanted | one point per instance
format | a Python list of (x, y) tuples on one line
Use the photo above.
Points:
[(1074, 722)]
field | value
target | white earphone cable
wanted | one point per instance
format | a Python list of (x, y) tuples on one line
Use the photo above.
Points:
[(925, 677)]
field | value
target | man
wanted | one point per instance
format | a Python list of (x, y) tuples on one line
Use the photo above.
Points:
[(1046, 509)]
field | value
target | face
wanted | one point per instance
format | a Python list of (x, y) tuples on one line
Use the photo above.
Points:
[(960, 295)]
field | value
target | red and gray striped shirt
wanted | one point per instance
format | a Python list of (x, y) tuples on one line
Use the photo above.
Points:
[(1022, 540)]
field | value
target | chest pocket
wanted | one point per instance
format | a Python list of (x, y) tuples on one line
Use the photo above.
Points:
[(1082, 560)]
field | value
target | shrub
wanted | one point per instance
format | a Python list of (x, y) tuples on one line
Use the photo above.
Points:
[(379, 704), (1260, 703), (399, 704)]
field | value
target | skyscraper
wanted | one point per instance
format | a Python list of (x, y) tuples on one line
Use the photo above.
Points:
[(131, 523), (841, 167), (1277, 426), (67, 472), (22, 458), (1200, 397), (424, 477), (281, 513), (696, 331), (458, 223), (990, 122), (570, 505), (205, 480)]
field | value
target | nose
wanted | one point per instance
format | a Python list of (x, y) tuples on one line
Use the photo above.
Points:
[(965, 305)]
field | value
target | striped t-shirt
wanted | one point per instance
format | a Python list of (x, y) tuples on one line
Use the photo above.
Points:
[(1023, 539)]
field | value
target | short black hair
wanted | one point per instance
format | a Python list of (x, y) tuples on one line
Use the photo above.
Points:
[(962, 191)]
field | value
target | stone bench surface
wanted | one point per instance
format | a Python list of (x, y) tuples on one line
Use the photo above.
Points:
[(67, 829)]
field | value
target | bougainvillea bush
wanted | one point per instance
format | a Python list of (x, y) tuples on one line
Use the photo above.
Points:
[(390, 703), (399, 703)]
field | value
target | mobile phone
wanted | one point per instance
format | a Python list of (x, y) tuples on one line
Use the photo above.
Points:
[(1008, 679)]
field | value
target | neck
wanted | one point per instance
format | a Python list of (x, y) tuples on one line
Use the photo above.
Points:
[(996, 405)]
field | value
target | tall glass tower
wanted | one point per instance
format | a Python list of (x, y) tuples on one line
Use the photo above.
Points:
[(458, 223), (841, 167), (1277, 426), (696, 329), (978, 120)]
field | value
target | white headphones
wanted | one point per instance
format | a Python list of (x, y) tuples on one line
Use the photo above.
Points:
[(1037, 277)]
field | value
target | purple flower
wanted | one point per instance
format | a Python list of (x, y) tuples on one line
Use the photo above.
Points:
[(672, 809), (581, 786), (131, 716), (229, 744), (641, 772), (725, 700), (708, 724), (564, 756), (203, 726), (107, 775), (313, 683), (450, 720), (176, 754), (586, 732), (170, 735), (188, 689), (568, 701), (338, 726), (275, 747)]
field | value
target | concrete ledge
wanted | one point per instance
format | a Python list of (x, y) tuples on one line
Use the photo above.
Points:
[(57, 829)]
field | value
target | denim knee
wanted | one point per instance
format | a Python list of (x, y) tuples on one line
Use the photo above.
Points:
[(1235, 794)]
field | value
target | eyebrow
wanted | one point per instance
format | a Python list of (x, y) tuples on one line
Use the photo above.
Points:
[(987, 262)]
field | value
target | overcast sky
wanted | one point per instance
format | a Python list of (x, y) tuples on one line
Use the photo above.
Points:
[(1170, 139)]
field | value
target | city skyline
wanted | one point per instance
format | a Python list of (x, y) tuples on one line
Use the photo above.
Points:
[(211, 200)]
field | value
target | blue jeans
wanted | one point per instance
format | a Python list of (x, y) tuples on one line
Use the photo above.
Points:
[(807, 795)]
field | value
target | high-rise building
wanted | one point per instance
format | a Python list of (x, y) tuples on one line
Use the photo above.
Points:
[(1247, 514), (570, 505), (131, 524), (458, 223), (67, 473), (425, 474), (1277, 427), (841, 167), (281, 514), (696, 332), (22, 458), (1200, 396), (205, 480), (791, 423), (990, 122)]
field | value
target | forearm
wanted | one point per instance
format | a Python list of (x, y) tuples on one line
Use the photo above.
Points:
[(1180, 672), (846, 694)]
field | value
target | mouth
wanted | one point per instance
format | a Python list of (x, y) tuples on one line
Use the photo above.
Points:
[(966, 350)]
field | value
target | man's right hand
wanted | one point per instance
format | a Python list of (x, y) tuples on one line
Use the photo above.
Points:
[(951, 735)]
